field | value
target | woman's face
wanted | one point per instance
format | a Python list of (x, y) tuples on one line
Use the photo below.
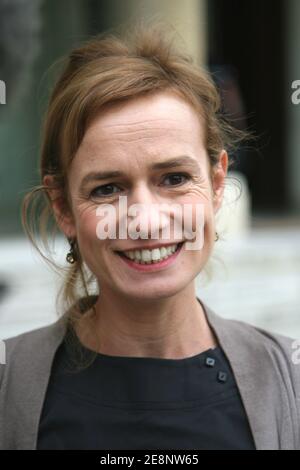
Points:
[(131, 138)]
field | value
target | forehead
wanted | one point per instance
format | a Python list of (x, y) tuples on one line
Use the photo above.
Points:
[(146, 121)]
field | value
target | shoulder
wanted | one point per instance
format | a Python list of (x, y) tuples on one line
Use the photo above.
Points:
[(268, 337), (268, 366), (254, 345), (28, 347), (34, 337), (31, 351), (284, 347)]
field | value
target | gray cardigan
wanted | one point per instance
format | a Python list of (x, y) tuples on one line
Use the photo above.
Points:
[(268, 381)]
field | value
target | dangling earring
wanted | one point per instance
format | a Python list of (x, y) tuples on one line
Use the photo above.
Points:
[(71, 256), (217, 236)]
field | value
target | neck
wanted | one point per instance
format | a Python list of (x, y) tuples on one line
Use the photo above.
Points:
[(171, 328)]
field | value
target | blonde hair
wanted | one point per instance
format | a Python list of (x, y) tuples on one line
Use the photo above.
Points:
[(108, 68)]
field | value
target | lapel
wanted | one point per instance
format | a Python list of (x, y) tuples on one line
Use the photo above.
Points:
[(257, 379), (35, 378)]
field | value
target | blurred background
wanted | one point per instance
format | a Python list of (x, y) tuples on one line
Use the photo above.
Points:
[(252, 49)]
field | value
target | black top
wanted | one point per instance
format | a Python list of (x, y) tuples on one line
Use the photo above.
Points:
[(144, 403)]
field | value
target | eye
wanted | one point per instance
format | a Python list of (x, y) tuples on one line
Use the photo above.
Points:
[(103, 191), (176, 177)]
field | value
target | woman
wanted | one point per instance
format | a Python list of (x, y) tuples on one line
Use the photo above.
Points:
[(140, 362)]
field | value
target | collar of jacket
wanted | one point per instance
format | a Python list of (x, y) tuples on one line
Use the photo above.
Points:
[(259, 363)]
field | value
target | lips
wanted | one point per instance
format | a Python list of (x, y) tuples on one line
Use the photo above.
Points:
[(152, 247), (152, 266), (179, 245)]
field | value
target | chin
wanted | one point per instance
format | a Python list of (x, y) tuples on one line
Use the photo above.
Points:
[(148, 293)]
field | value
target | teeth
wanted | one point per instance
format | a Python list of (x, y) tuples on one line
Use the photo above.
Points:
[(151, 256)]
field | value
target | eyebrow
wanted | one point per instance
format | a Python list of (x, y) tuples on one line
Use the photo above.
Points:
[(166, 164)]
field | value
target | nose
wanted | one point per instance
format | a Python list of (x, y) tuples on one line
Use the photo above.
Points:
[(145, 214)]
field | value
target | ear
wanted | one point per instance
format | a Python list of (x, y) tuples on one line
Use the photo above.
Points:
[(62, 213), (218, 180)]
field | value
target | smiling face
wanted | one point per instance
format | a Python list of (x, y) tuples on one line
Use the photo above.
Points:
[(132, 138)]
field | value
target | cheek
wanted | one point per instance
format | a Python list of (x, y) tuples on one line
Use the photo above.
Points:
[(86, 225), (200, 206), (203, 223), (209, 224)]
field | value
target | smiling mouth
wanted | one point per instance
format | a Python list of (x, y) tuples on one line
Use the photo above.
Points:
[(151, 256)]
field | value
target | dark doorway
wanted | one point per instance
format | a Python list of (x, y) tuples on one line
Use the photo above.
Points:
[(248, 38)]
